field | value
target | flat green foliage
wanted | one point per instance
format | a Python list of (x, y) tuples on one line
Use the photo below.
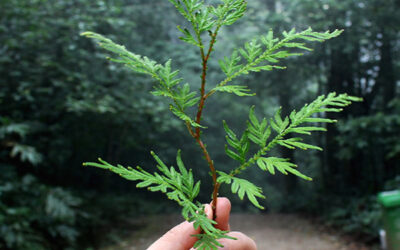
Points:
[(242, 187), (235, 89), (204, 18), (178, 185), (284, 129), (166, 77), (260, 54), (282, 165)]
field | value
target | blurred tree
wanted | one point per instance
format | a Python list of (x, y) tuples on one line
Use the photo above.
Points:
[(57, 97), (53, 78)]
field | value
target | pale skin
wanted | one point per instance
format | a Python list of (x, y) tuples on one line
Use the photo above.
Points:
[(179, 237)]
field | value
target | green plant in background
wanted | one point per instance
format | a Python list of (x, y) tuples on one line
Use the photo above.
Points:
[(260, 54), (36, 216)]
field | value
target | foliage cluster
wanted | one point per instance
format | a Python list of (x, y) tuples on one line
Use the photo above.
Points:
[(360, 152), (36, 216), (359, 217), (258, 55)]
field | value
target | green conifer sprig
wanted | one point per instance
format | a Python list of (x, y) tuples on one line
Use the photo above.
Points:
[(260, 54), (259, 132), (235, 89), (204, 18), (167, 79), (178, 186)]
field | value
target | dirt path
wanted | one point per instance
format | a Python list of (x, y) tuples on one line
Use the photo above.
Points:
[(270, 232)]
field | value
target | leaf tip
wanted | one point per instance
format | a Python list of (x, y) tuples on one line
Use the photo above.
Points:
[(86, 33)]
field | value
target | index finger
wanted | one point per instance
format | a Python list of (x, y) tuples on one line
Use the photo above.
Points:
[(223, 211)]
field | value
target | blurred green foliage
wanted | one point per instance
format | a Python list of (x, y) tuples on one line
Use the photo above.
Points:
[(36, 216), (62, 104)]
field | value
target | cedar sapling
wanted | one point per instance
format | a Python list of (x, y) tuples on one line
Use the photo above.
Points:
[(260, 54)]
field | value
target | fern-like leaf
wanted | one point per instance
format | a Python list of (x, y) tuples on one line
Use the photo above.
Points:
[(230, 65), (178, 185), (167, 78), (263, 53), (259, 132), (188, 37), (235, 89), (295, 142), (235, 11), (187, 8), (241, 145), (206, 17), (178, 112), (282, 165), (185, 98), (242, 187)]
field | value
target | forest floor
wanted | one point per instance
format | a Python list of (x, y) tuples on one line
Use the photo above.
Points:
[(269, 231)]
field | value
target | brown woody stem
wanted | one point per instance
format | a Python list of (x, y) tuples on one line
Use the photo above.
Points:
[(197, 134), (214, 176)]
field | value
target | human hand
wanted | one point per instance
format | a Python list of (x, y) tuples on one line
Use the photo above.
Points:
[(179, 237)]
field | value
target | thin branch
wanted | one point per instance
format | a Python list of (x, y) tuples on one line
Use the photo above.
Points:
[(203, 97), (203, 78)]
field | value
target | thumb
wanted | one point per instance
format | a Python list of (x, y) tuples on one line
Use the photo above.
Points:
[(180, 237), (242, 242)]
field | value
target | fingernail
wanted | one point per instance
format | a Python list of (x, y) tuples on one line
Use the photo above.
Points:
[(207, 210)]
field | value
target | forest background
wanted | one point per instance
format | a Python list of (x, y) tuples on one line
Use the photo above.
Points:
[(62, 104)]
